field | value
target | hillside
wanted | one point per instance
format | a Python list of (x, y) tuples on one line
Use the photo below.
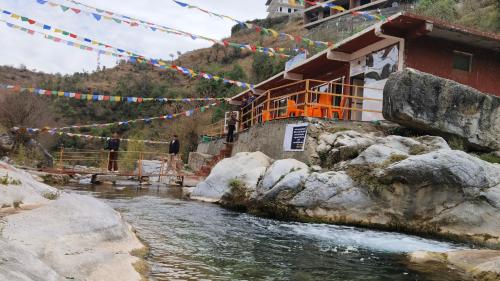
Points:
[(146, 81), (142, 80)]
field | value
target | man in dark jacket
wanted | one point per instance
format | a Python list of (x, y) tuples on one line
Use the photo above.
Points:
[(113, 145), (175, 146), (173, 150)]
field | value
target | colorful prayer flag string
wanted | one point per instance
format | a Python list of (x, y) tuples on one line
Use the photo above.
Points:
[(97, 97), (91, 137), (99, 14), (146, 120), (155, 62), (259, 29)]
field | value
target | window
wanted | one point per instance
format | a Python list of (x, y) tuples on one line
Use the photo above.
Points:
[(289, 10), (462, 61)]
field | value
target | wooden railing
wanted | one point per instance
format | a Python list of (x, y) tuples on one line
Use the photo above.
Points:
[(305, 98), (128, 163), (214, 130)]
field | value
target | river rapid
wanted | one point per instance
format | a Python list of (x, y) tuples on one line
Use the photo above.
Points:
[(191, 240)]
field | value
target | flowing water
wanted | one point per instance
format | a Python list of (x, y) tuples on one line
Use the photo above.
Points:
[(197, 241)]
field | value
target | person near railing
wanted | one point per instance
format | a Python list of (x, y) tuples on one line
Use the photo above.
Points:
[(231, 127), (173, 150), (113, 145)]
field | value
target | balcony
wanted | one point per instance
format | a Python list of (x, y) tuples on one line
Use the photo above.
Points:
[(307, 98)]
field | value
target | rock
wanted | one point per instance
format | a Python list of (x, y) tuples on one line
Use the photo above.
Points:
[(321, 188), (278, 170), (6, 142), (197, 160), (341, 146), (452, 168), (481, 264), (245, 168), (430, 103), (22, 187), (283, 175), (19, 264), (397, 146), (79, 237)]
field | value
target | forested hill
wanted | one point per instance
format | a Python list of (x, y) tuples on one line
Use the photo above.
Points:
[(147, 81), (144, 80)]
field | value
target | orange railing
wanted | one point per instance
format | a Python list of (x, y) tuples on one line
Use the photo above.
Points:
[(305, 98)]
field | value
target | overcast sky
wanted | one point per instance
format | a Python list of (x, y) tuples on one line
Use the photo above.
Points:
[(38, 53)]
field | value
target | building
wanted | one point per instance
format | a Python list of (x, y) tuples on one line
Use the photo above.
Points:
[(277, 8), (316, 14), (346, 81)]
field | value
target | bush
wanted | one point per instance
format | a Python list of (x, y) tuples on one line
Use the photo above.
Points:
[(440, 9), (490, 157)]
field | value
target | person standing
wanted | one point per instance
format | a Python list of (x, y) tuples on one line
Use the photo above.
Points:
[(113, 145), (173, 150), (231, 127), (174, 146)]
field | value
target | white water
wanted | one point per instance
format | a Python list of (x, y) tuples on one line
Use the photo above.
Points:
[(353, 238)]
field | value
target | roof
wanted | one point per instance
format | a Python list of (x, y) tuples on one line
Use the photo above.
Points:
[(403, 25)]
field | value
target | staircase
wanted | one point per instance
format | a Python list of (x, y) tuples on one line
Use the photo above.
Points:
[(223, 153)]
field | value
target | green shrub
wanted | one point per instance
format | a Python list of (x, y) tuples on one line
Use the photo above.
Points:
[(236, 183), (51, 195), (417, 149), (394, 158), (440, 9), (6, 180), (490, 157), (16, 204), (456, 143)]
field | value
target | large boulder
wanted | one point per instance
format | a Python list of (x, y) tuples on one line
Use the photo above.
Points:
[(282, 175), (46, 234), (79, 237), (333, 148), (430, 103), (244, 169)]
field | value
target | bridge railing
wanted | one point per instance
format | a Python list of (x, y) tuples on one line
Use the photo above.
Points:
[(123, 163)]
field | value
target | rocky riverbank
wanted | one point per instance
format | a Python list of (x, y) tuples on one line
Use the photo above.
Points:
[(46, 234), (411, 184)]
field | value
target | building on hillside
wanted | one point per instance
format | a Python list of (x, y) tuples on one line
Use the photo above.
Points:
[(316, 13), (277, 8), (346, 81)]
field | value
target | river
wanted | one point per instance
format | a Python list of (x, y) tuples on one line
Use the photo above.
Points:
[(191, 240)]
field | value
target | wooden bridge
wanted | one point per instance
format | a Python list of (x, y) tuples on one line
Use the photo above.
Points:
[(138, 165)]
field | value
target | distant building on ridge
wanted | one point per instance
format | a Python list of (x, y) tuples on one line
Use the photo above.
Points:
[(277, 8)]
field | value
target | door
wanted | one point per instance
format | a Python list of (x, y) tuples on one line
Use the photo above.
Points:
[(357, 104)]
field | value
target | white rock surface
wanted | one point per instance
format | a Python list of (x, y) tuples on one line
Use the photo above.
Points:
[(72, 237), (29, 191), (278, 170), (453, 168), (76, 235), (245, 167)]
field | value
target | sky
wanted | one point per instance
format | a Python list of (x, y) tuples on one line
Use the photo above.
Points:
[(37, 53)]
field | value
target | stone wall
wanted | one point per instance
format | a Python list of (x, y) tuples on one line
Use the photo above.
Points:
[(268, 138)]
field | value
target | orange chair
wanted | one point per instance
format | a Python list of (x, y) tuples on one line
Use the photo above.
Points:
[(325, 104), (339, 110), (314, 111), (266, 116), (291, 108)]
